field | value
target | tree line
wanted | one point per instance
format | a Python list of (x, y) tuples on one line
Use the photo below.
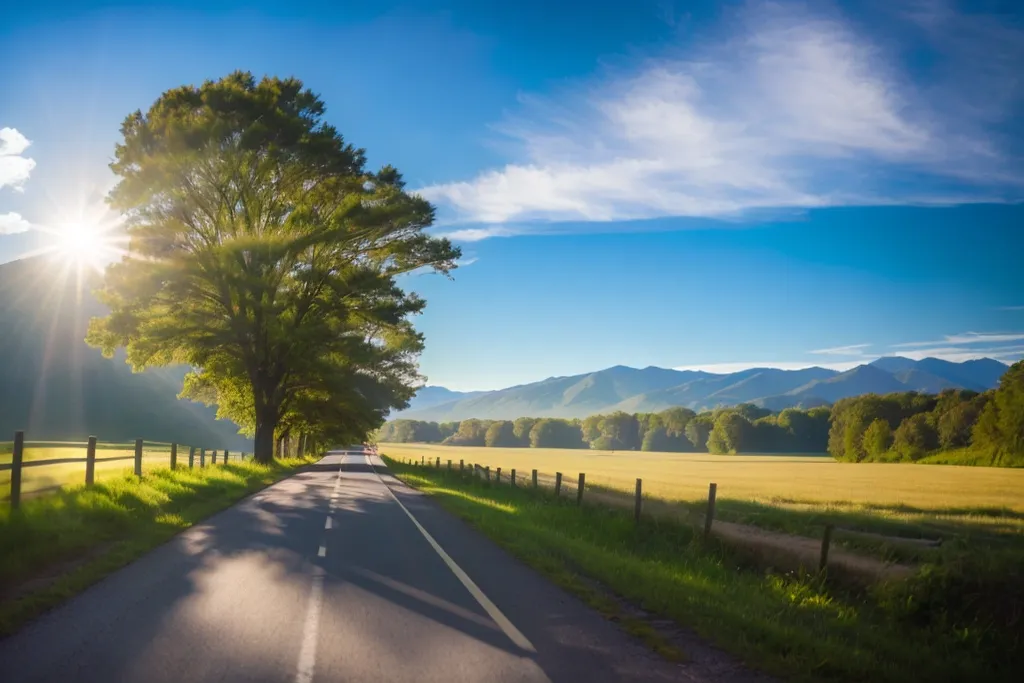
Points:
[(987, 427), (739, 429), (983, 428)]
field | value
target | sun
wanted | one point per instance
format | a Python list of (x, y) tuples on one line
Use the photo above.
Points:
[(85, 244)]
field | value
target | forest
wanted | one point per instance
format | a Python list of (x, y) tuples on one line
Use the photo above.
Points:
[(955, 426)]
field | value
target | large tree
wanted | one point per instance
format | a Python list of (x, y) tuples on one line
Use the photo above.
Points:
[(264, 254)]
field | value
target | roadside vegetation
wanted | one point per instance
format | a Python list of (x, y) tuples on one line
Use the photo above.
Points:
[(955, 620), (55, 546), (956, 427)]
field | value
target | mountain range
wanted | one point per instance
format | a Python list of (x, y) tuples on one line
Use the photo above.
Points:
[(654, 389), (56, 387)]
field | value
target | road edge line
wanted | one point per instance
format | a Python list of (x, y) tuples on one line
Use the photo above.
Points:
[(514, 634)]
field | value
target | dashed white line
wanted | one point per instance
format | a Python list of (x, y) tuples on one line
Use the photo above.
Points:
[(311, 628), (329, 523), (322, 552)]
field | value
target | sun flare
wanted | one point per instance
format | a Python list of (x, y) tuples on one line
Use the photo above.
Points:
[(85, 244)]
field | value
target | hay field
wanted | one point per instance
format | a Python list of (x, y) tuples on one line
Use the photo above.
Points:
[(773, 479)]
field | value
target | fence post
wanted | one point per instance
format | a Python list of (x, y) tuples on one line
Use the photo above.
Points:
[(826, 540), (497, 475), (438, 462), (558, 484), (709, 516), (191, 457), (579, 489), (449, 465), (462, 465), (225, 456), (513, 477), (174, 456), (16, 459), (487, 473), (214, 461), (90, 461), (639, 501), (138, 457), (202, 457), (535, 479), (423, 460)]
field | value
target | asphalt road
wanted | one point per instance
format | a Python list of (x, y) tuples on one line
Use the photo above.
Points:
[(338, 574)]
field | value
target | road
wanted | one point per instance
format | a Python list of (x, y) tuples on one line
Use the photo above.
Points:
[(340, 573)]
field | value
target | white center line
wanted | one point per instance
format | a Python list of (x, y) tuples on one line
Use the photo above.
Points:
[(311, 629), (329, 522), (492, 610), (322, 552)]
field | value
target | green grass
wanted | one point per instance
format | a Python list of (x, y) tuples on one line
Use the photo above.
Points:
[(797, 627), (55, 546)]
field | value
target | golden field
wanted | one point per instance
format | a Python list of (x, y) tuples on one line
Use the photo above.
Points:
[(779, 479)]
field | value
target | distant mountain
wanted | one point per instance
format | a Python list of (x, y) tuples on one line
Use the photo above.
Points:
[(55, 387), (428, 397), (654, 389), (863, 379)]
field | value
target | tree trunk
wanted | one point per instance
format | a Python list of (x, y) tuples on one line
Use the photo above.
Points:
[(263, 447)]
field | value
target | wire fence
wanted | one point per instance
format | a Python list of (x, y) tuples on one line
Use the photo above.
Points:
[(33, 468)]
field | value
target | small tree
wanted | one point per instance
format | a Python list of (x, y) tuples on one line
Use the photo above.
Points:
[(915, 437), (501, 434), (877, 438)]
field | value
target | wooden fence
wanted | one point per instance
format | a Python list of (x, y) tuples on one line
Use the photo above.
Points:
[(173, 455), (578, 490)]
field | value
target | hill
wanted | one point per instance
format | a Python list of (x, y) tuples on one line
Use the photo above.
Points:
[(55, 387), (654, 389)]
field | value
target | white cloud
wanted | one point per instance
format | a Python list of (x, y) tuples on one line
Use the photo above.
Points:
[(851, 350), (468, 261), (787, 110), (476, 234), (12, 223), (966, 338), (14, 168)]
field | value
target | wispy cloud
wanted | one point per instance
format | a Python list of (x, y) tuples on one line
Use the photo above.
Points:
[(784, 109), (14, 168), (956, 348), (476, 234), (967, 338), (1010, 308), (12, 223), (851, 350)]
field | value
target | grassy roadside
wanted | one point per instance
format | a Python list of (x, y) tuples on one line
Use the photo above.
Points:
[(799, 628), (55, 546)]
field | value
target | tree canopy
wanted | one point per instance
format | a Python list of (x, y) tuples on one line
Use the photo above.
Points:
[(264, 254)]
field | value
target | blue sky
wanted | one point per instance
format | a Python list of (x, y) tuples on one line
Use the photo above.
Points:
[(712, 185)]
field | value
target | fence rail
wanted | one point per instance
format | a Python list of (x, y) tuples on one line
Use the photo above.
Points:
[(32, 468)]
